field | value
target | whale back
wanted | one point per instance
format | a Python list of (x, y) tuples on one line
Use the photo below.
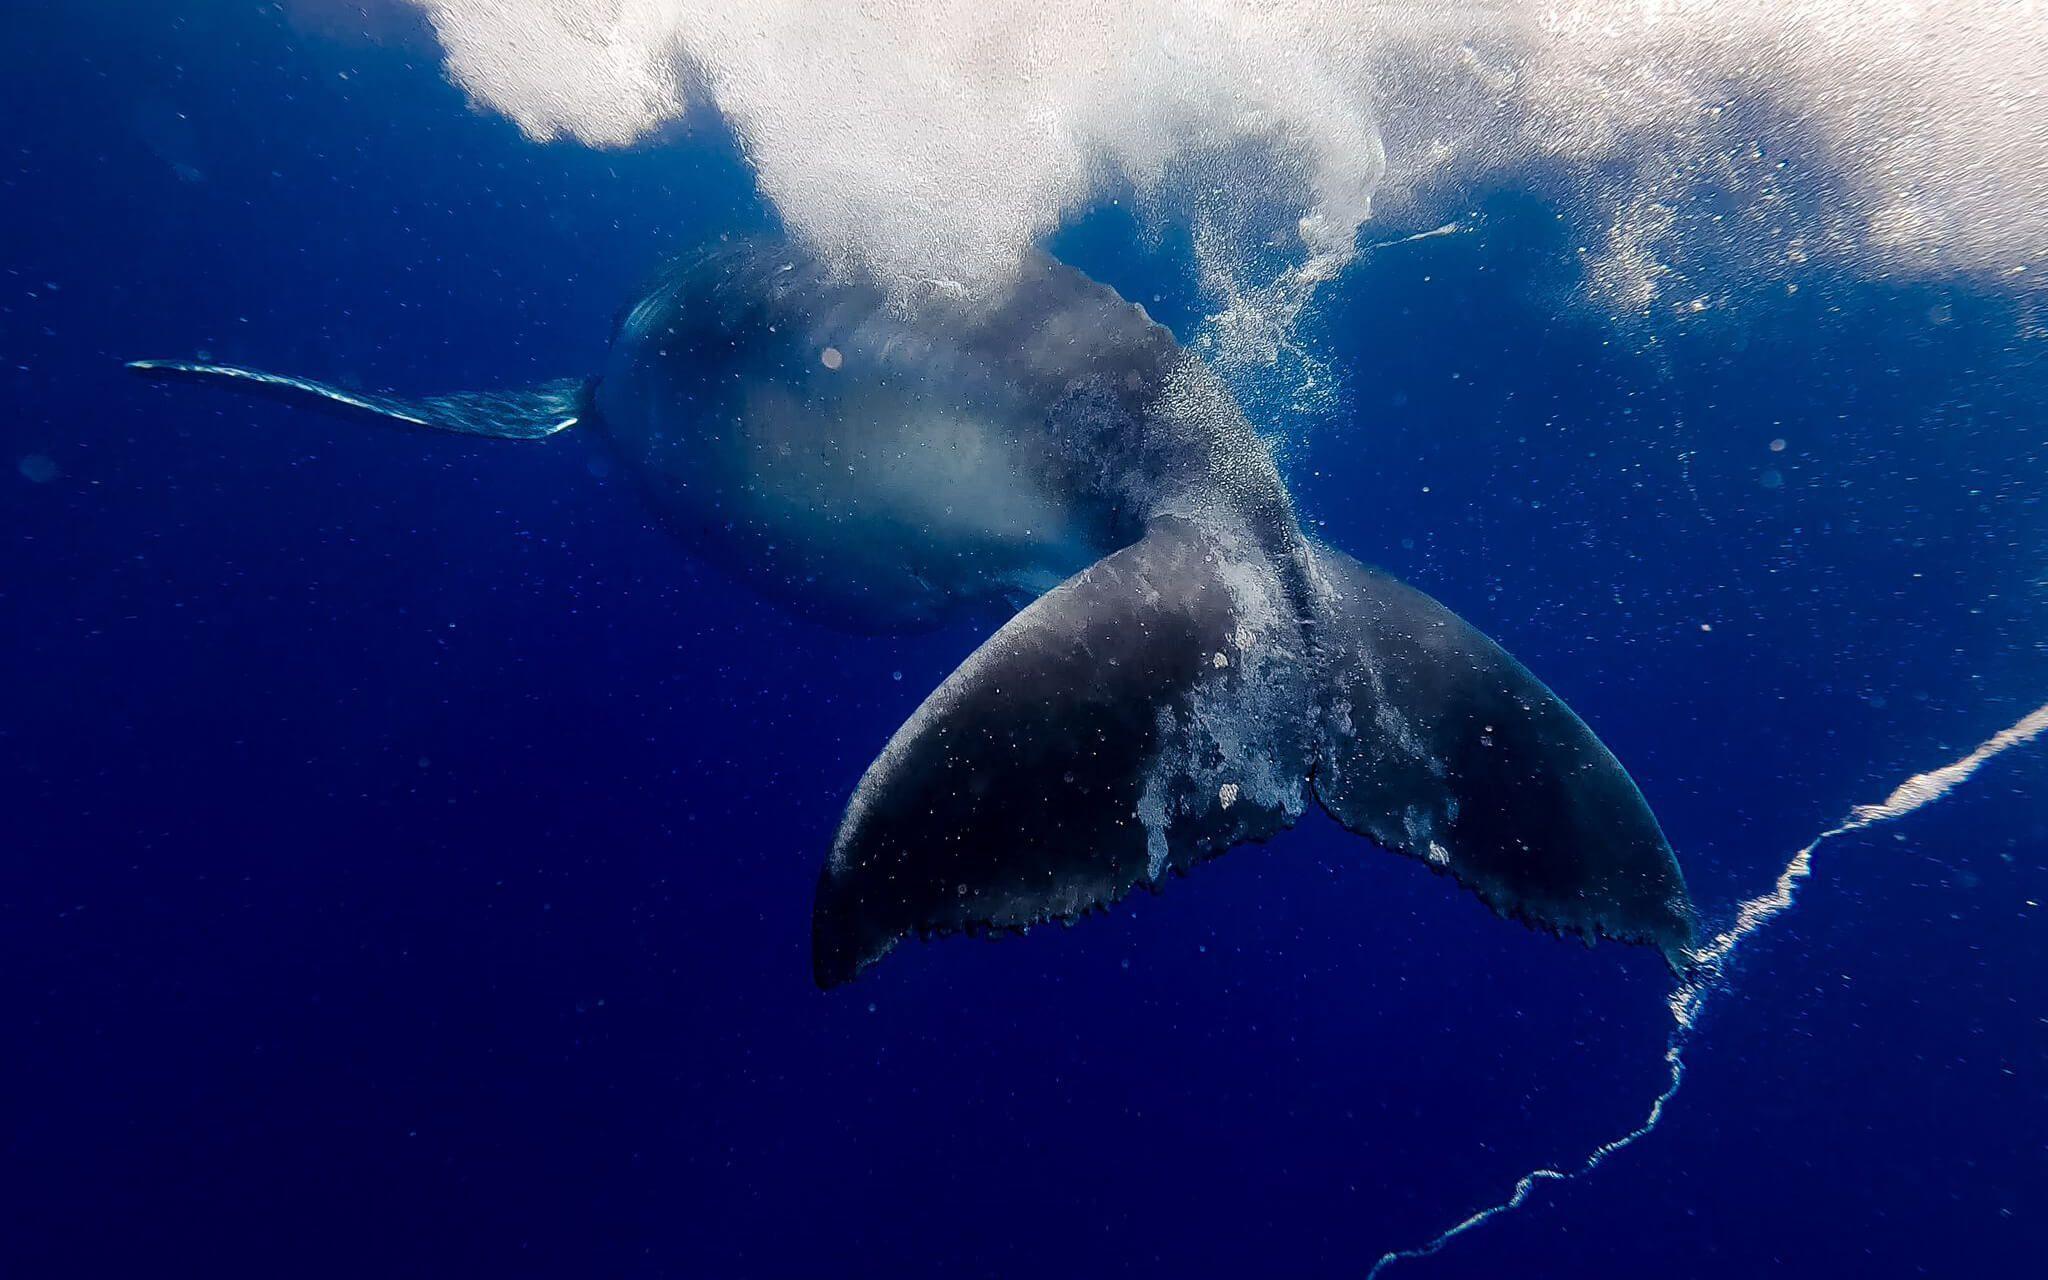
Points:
[(916, 459)]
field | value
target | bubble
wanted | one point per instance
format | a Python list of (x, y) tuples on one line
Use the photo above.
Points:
[(934, 142), (1778, 446), (38, 468), (831, 358), (1772, 479)]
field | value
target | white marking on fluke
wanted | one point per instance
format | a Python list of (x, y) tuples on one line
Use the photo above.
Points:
[(1707, 967)]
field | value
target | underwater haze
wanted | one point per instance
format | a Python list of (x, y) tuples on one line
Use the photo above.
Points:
[(412, 838)]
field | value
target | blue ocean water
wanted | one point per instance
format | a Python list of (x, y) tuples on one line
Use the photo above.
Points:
[(410, 851)]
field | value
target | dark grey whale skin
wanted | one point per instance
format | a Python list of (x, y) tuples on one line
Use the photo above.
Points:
[(1188, 671), (956, 455)]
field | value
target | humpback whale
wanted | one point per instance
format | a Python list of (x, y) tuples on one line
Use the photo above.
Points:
[(1185, 670)]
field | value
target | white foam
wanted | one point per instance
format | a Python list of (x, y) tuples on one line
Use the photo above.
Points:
[(933, 141)]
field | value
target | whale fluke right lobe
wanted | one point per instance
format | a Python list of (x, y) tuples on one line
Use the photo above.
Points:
[(1444, 747)]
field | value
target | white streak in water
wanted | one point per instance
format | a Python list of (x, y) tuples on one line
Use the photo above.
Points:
[(1448, 229), (1706, 972)]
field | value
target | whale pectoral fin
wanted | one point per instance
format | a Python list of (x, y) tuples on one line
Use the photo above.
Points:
[(1436, 742), (529, 414), (1139, 718)]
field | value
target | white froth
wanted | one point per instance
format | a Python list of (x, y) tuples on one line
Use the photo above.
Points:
[(934, 141), (1695, 128)]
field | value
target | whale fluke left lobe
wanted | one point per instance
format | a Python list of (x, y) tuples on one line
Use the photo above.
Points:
[(1076, 755)]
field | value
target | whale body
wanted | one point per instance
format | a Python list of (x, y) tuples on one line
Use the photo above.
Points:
[(1182, 669)]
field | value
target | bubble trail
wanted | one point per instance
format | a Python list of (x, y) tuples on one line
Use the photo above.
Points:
[(1706, 967), (1448, 229)]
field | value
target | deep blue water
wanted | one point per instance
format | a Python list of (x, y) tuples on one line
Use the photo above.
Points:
[(408, 851)]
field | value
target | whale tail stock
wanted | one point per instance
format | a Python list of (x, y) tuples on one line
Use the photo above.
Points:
[(530, 414), (1168, 704)]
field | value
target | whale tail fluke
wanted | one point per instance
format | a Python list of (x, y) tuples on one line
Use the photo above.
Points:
[(1170, 703), (533, 413)]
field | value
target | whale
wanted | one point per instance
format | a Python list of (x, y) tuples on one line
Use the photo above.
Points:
[(1173, 666)]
